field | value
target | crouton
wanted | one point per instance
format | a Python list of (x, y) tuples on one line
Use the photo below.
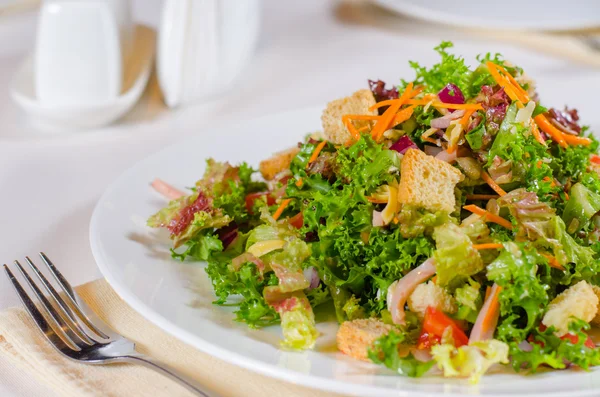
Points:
[(278, 162), (596, 319), (354, 338), (358, 103), (577, 301), (427, 182), (430, 294)]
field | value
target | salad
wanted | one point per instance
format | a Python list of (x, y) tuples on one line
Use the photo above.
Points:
[(450, 221)]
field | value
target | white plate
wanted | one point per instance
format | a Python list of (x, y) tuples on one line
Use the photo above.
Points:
[(506, 14), (177, 296)]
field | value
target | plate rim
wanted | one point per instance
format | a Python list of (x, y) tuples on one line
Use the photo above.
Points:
[(230, 356)]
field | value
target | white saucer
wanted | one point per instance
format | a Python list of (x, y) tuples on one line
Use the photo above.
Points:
[(137, 73)]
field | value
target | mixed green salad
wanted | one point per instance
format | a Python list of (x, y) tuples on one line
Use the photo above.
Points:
[(506, 275)]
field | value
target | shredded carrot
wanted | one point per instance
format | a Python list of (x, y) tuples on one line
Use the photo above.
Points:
[(465, 119), (488, 215), (488, 246), (391, 102), (553, 262), (281, 208), (316, 152), (430, 140), (386, 118), (547, 179), (434, 279), (493, 310), (482, 196), (566, 196), (576, 140), (551, 130), (403, 115), (362, 117), (595, 159), (348, 123), (435, 104), (536, 134), (396, 220), (488, 291), (512, 88), (299, 182), (363, 129), (488, 179)]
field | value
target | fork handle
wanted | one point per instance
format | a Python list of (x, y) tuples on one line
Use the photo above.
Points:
[(167, 371)]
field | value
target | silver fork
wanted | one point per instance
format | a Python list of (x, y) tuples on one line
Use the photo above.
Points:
[(76, 332)]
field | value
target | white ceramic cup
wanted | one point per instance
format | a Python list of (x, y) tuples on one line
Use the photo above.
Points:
[(80, 50)]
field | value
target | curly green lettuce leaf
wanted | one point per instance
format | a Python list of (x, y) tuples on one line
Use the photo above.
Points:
[(550, 350), (469, 300), (524, 293), (388, 350), (582, 205), (200, 248), (297, 321), (455, 257), (470, 361), (353, 309), (416, 222)]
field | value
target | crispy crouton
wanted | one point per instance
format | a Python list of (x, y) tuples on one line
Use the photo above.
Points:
[(358, 103), (596, 319), (278, 162), (354, 338), (430, 294), (577, 301), (427, 182)]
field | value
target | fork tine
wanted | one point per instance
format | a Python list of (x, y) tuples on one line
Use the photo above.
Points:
[(35, 314), (60, 328), (87, 315), (70, 317)]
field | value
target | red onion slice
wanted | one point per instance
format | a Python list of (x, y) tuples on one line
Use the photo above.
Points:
[(312, 276), (444, 122), (403, 144), (377, 219), (451, 94)]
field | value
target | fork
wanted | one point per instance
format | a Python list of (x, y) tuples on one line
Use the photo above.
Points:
[(76, 332)]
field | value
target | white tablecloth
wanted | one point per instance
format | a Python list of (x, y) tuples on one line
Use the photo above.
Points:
[(310, 52)]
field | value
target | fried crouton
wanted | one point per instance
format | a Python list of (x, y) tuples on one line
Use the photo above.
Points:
[(427, 182), (596, 319), (354, 338), (358, 103), (577, 301), (430, 294), (278, 162)]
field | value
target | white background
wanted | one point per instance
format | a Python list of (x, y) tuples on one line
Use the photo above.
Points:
[(309, 52)]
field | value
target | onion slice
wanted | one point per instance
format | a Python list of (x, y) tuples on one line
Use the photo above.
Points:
[(401, 289), (487, 319), (166, 190)]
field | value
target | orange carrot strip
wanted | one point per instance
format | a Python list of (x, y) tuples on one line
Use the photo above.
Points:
[(384, 122), (299, 182), (506, 81), (362, 116), (348, 123), (551, 130), (488, 179), (553, 262), (390, 102), (465, 119), (488, 215), (488, 291), (491, 316), (403, 115), (316, 152), (488, 246), (281, 208), (576, 140), (536, 134), (482, 196), (430, 140)]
